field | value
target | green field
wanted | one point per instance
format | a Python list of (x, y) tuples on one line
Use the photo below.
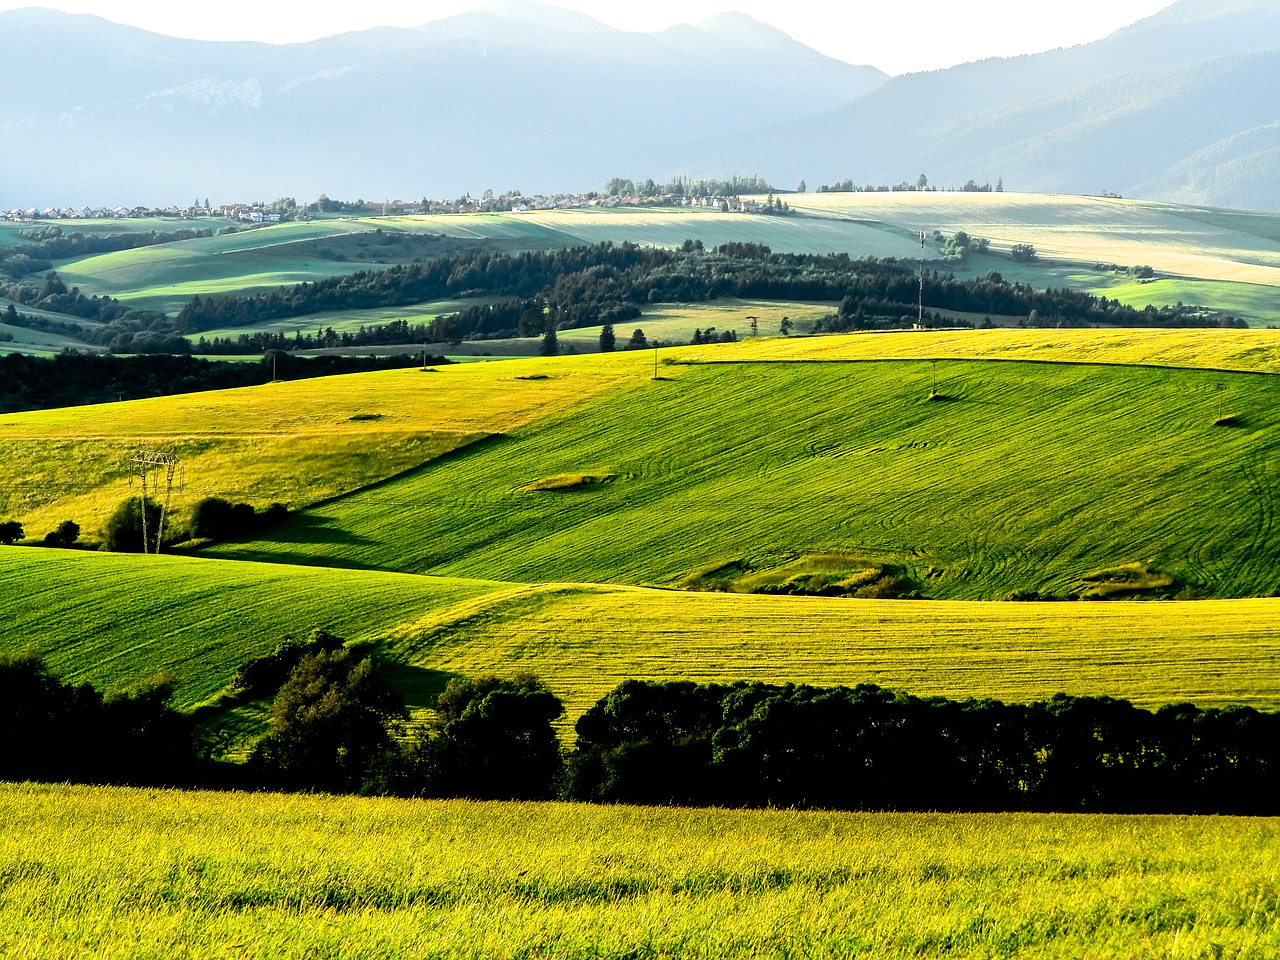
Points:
[(1257, 303), (581, 519), (200, 619), (1224, 260), (125, 873), (195, 619), (1025, 477)]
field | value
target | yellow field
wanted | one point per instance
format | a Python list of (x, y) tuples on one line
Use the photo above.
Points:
[(1184, 241), (298, 443), (1240, 350), (294, 442), (113, 873), (585, 639)]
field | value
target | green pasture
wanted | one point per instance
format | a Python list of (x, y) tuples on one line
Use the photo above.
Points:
[(349, 321), (1192, 242), (198, 619), (1255, 303), (1019, 477), (118, 873), (666, 323), (118, 619)]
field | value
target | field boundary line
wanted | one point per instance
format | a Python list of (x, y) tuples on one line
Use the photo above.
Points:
[(800, 361)]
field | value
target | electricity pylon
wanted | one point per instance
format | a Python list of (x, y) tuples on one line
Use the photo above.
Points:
[(150, 464)]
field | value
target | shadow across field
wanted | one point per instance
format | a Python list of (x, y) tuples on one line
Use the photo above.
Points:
[(418, 685)]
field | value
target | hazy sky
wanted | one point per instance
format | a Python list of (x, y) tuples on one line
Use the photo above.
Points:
[(896, 37)]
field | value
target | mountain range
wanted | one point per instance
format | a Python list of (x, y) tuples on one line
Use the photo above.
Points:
[(1184, 105)]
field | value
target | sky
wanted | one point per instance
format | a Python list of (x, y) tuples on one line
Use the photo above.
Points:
[(897, 38)]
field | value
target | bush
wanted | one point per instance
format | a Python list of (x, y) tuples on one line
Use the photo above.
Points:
[(214, 518), (10, 532), (495, 742), (64, 535), (123, 530), (331, 727), (264, 676)]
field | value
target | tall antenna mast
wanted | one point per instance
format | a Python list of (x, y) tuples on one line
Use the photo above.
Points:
[(920, 317)]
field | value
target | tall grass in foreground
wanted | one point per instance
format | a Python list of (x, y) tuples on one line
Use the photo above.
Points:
[(126, 873)]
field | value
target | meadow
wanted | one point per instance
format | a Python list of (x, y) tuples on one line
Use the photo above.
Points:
[(1053, 478), (1224, 260), (199, 619), (195, 619), (290, 442), (1178, 240), (129, 873)]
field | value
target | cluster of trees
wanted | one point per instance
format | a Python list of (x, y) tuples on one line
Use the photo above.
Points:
[(960, 245), (59, 732), (65, 534), (72, 378), (681, 186), (710, 335), (921, 184), (337, 724), (392, 333), (865, 748), (212, 518), (889, 299), (110, 323), (607, 283)]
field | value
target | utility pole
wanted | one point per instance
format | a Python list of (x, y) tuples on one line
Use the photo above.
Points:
[(655, 361), (147, 463)]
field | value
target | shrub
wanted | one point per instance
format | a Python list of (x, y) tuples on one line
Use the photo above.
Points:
[(123, 530), (495, 741), (331, 726), (64, 535)]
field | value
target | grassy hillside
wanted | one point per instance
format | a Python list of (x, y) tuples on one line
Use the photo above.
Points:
[(199, 619), (1062, 479), (128, 873), (1254, 351), (294, 443), (1183, 241), (195, 619), (584, 640), (166, 276)]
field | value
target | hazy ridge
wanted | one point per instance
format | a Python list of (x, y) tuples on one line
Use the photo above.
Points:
[(1180, 106)]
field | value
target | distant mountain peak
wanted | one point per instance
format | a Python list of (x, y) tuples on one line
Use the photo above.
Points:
[(746, 30), (544, 15)]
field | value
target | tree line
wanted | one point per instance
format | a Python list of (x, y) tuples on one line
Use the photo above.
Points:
[(45, 244), (608, 283), (72, 378), (568, 288), (336, 724)]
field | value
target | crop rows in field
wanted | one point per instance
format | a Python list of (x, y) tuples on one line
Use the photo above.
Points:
[(199, 619), (1022, 477), (123, 873), (115, 620), (294, 443)]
